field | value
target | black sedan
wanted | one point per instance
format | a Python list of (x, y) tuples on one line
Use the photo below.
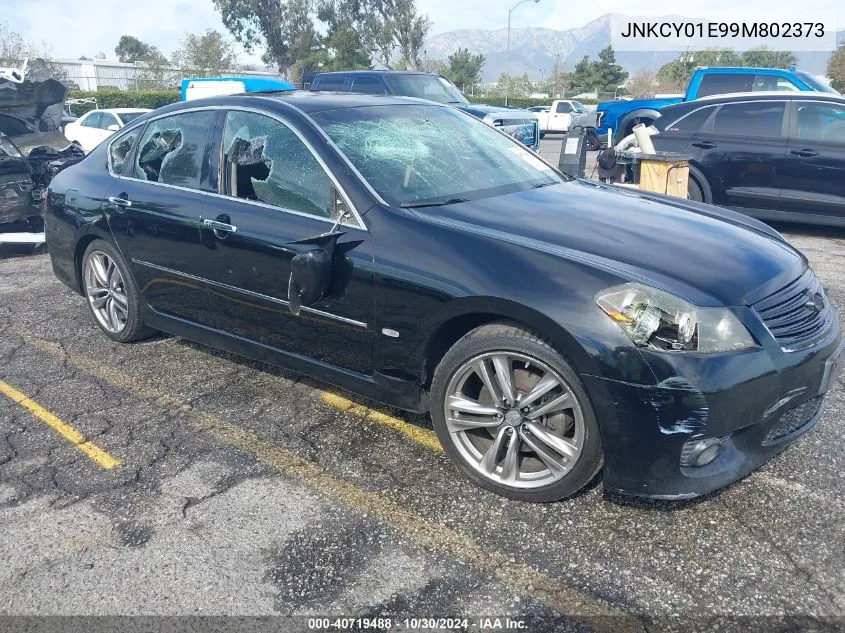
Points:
[(413, 254), (775, 156)]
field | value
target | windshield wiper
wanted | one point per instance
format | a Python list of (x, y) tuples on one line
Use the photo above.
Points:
[(412, 204)]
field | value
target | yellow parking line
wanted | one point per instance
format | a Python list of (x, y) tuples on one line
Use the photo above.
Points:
[(423, 437), (94, 452), (432, 535)]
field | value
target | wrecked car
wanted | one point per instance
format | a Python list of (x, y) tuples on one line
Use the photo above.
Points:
[(32, 147), (552, 326)]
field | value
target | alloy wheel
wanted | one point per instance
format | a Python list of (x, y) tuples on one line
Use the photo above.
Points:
[(106, 291), (514, 419)]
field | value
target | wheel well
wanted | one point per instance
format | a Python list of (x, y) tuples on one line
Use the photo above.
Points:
[(449, 332), (81, 245)]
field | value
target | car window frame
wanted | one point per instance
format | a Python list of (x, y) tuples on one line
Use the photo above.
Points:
[(344, 81), (116, 138), (705, 126), (562, 104), (793, 123), (709, 127), (103, 116), (205, 167), (378, 80), (357, 220), (94, 114)]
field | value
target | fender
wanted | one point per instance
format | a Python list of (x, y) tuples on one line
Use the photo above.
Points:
[(622, 129)]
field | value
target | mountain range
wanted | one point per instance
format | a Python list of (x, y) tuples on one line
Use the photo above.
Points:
[(534, 49)]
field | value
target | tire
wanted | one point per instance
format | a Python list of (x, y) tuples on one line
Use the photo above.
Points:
[(113, 288), (561, 416), (697, 185), (694, 191)]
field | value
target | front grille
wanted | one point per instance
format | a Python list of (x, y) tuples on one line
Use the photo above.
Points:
[(793, 420), (789, 315)]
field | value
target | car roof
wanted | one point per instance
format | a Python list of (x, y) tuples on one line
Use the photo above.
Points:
[(752, 96), (341, 73), (303, 100), (120, 110)]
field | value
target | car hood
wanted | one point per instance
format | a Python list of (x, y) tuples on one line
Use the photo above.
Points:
[(36, 102), (707, 255)]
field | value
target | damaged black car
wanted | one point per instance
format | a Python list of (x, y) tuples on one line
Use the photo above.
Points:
[(32, 147)]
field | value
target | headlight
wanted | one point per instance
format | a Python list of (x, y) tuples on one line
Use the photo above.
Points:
[(657, 319)]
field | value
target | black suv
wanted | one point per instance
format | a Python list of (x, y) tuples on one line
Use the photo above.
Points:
[(776, 156)]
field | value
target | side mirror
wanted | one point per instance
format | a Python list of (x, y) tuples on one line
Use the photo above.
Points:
[(310, 278), (113, 127)]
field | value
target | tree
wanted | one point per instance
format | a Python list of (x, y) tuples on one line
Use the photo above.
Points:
[(603, 75), (131, 50), (409, 30), (836, 68), (14, 48), (352, 28), (281, 28), (765, 58), (205, 55), (464, 68)]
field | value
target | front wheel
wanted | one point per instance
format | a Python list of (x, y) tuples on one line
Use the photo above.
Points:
[(512, 413)]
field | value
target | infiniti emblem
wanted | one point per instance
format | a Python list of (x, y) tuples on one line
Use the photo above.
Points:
[(815, 302)]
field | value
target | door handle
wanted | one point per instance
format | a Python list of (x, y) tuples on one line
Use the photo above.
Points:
[(804, 153), (218, 226), (120, 202), (704, 145)]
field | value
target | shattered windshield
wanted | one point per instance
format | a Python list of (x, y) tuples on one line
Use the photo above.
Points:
[(429, 87), (418, 153)]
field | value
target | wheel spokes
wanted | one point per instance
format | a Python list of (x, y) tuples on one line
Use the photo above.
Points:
[(491, 457), (100, 273), (543, 386), (504, 377), (510, 465), (550, 459), (479, 366), (466, 405), (558, 444), (555, 404)]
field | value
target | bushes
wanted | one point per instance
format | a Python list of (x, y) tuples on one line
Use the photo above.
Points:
[(125, 99)]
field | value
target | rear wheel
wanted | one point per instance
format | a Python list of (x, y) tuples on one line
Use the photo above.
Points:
[(694, 191), (514, 416), (112, 296)]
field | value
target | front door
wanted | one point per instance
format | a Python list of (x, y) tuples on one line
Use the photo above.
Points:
[(154, 208), (277, 193), (814, 181), (742, 150)]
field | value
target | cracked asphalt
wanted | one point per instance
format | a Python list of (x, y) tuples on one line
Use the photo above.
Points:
[(243, 489)]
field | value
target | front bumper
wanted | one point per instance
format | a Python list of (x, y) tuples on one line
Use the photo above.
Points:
[(757, 402)]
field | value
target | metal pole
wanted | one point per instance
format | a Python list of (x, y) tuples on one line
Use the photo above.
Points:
[(508, 60)]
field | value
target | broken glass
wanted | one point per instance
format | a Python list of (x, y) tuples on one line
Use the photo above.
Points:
[(417, 152), (264, 160), (171, 149)]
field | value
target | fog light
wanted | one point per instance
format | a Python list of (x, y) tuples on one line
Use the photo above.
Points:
[(699, 453)]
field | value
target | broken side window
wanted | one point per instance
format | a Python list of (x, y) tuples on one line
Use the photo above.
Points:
[(119, 151), (171, 149), (265, 160)]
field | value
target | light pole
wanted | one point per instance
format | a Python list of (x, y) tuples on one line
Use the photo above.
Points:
[(508, 56)]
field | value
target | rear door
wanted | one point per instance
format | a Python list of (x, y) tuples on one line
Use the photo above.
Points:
[(814, 180), (742, 150), (155, 206), (276, 192)]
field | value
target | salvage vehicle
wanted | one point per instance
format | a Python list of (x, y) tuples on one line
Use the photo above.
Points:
[(620, 117), (95, 126), (521, 124), (32, 147), (775, 156), (405, 251)]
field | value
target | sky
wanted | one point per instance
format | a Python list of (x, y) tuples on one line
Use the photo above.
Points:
[(71, 28)]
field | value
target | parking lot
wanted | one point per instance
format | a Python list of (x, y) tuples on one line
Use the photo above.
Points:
[(168, 478)]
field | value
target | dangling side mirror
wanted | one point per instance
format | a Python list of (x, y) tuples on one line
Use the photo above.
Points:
[(310, 278)]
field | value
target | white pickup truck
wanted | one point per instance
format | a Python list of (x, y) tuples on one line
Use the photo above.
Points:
[(558, 117)]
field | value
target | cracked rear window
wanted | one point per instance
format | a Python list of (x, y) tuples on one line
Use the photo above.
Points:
[(417, 153), (172, 149)]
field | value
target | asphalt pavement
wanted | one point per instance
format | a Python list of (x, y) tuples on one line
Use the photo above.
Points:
[(166, 478)]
